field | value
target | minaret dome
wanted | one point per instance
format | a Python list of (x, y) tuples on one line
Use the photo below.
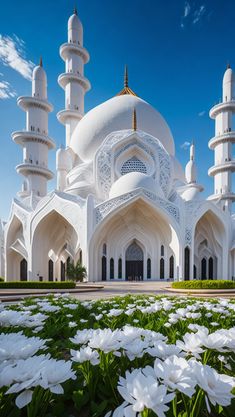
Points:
[(75, 30), (228, 85), (39, 83)]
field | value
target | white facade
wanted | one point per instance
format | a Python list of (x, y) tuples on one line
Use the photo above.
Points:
[(123, 205)]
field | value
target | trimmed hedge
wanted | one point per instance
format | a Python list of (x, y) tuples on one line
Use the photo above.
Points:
[(1, 279), (38, 285), (204, 284)]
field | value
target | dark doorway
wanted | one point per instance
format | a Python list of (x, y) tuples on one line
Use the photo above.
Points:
[(211, 267), (104, 268), (203, 268), (194, 272), (134, 263), (62, 271), (162, 268), (23, 270), (186, 264), (171, 267), (50, 270)]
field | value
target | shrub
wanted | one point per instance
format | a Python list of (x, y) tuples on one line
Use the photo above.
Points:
[(1, 279), (204, 284), (76, 272), (38, 285)]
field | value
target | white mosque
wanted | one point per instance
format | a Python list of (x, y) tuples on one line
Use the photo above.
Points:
[(123, 205)]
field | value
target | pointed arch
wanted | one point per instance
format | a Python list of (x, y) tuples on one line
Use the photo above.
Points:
[(15, 250)]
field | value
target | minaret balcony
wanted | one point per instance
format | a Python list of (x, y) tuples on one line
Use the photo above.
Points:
[(225, 137), (65, 115), (69, 77), (28, 168), (67, 49), (222, 167), (222, 196), (222, 107), (22, 137), (26, 102)]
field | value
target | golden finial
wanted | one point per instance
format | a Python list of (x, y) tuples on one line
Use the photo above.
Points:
[(126, 77), (75, 10), (40, 62), (126, 89), (134, 120)]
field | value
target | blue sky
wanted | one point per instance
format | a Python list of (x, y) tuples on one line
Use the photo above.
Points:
[(176, 52)]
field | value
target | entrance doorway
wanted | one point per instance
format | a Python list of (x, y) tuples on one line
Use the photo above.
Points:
[(23, 270), (134, 263)]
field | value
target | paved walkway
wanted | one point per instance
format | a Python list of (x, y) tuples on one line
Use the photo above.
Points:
[(112, 289)]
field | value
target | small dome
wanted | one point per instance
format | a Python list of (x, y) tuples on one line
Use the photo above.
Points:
[(39, 74), (75, 29), (130, 182), (228, 76), (115, 115)]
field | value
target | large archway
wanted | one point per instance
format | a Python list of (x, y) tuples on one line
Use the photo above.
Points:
[(150, 228), (55, 241), (16, 255), (209, 247)]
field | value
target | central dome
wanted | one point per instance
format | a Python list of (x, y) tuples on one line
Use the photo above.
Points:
[(116, 114)]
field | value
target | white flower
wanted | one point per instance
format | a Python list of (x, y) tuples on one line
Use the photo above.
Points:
[(21, 318), (192, 344), (83, 321), (85, 354), (82, 336), (216, 386), (17, 346), (115, 312), (72, 324), (162, 350), (105, 340), (176, 374), (142, 392), (38, 370), (135, 349)]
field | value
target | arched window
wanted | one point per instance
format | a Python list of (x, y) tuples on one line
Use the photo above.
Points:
[(171, 267), (62, 271), (111, 268), (149, 268), (104, 268), (23, 270), (162, 250), (186, 264), (194, 272), (104, 249), (80, 257), (50, 270), (120, 268), (211, 267), (162, 268), (203, 268), (68, 262)]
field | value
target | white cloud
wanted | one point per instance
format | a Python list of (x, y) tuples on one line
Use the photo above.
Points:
[(6, 91), (12, 54), (185, 145), (187, 9), (198, 14), (191, 14), (201, 113)]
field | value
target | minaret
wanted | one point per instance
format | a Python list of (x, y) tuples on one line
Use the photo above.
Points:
[(191, 190), (72, 80), (34, 139), (221, 143)]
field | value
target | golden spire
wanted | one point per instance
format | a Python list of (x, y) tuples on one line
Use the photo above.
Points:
[(126, 89), (40, 62), (134, 120), (126, 77)]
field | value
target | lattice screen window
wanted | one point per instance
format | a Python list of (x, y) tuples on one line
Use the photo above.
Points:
[(133, 165)]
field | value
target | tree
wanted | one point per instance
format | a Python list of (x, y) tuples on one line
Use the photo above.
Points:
[(76, 272)]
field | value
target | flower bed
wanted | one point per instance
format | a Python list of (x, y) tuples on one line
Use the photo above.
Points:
[(38, 284), (128, 356), (217, 284)]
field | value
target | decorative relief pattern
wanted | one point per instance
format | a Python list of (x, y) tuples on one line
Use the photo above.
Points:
[(105, 208), (134, 253), (133, 165), (105, 159)]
